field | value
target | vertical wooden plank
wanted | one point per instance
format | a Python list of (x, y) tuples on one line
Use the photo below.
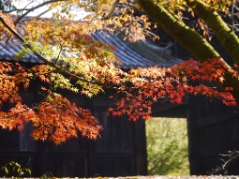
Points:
[(41, 158), (40, 146), (90, 144), (193, 138), (140, 148)]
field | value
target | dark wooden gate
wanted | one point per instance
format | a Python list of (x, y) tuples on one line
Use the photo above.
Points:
[(212, 130)]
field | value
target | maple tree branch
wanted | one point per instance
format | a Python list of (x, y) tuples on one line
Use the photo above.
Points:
[(232, 155), (224, 34), (49, 91), (233, 18), (190, 39), (29, 46), (34, 8), (52, 64), (111, 10), (44, 12), (58, 55), (22, 9), (176, 28)]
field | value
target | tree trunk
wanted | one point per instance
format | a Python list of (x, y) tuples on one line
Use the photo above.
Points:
[(193, 42), (224, 34)]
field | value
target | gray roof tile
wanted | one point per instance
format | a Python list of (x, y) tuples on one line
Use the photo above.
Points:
[(131, 55)]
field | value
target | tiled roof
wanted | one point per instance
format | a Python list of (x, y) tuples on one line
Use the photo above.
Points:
[(131, 55), (9, 49)]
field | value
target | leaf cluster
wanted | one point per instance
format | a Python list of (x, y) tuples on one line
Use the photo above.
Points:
[(73, 61), (14, 169), (57, 119)]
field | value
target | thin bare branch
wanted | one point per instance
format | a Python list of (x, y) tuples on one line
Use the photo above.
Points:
[(111, 10), (233, 18), (44, 12), (34, 8), (58, 55)]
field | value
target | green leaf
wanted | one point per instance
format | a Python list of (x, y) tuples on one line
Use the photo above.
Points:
[(28, 171), (5, 170), (21, 54)]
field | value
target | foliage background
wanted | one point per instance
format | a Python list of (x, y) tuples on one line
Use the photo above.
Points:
[(167, 146)]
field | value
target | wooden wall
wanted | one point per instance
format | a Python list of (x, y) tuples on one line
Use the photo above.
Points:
[(120, 151), (212, 130)]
